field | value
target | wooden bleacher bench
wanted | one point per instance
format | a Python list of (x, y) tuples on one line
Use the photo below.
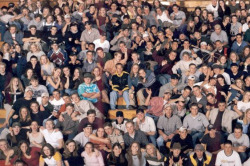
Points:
[(128, 114), (2, 116)]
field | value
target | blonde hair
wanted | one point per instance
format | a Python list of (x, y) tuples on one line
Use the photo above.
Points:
[(245, 121), (11, 87)]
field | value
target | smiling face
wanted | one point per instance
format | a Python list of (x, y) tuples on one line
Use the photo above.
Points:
[(3, 145), (71, 147), (24, 147)]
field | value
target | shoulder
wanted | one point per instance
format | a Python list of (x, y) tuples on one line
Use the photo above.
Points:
[(57, 156)]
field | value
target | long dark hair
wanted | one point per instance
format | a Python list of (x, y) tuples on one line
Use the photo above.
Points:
[(112, 158), (129, 154), (20, 153), (52, 150), (67, 153)]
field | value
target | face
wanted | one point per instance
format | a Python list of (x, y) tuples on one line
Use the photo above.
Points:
[(3, 146), (69, 110), (222, 106), (56, 95), (117, 150), (43, 60), (119, 69), (168, 111), (75, 98), (16, 129), (108, 130), (183, 134), (186, 57), (34, 83), (196, 91), (87, 130), (217, 30), (46, 151), (140, 116), (237, 133), (199, 153), (87, 80), (172, 56), (134, 147), (118, 57), (34, 126), (91, 118), (130, 128), (24, 112), (71, 147), (15, 82), (194, 110), (142, 73), (88, 148), (186, 93), (49, 125), (24, 147), (66, 71), (100, 132), (150, 149), (176, 152), (57, 73), (76, 73), (12, 30), (210, 99), (29, 94), (33, 61), (228, 149)]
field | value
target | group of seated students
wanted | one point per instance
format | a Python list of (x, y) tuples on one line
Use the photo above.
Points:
[(65, 63)]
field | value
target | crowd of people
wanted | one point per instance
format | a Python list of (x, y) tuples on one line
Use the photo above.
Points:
[(64, 64)]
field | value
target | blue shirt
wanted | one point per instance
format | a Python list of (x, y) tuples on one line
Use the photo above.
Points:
[(83, 88)]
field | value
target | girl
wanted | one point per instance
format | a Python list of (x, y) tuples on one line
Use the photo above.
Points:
[(48, 23), (244, 104), (71, 155), (50, 156), (35, 65), (47, 67), (233, 58), (24, 118), (54, 81), (7, 154), (236, 92), (29, 155), (153, 156), (223, 9), (134, 155), (116, 157), (92, 157), (36, 51), (245, 122), (102, 20), (26, 77), (35, 136), (133, 81), (5, 49)]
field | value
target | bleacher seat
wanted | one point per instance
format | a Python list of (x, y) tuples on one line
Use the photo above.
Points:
[(2, 116)]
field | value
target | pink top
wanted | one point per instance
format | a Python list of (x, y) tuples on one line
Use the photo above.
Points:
[(92, 160)]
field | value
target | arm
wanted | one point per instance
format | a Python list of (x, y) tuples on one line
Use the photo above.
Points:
[(8, 117), (56, 86), (66, 86), (66, 163), (60, 142), (103, 140)]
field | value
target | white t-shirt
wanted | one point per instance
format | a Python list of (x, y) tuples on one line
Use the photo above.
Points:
[(57, 103), (105, 45), (148, 125), (223, 160), (164, 17), (52, 138), (243, 106)]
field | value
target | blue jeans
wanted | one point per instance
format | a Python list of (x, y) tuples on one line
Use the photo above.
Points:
[(114, 96), (196, 135), (1, 100), (164, 78), (70, 91), (152, 138), (2, 30)]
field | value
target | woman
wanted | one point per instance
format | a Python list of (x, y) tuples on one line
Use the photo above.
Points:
[(29, 155), (35, 65), (244, 104), (153, 156), (236, 27), (13, 92), (133, 81), (77, 78), (233, 58), (98, 140), (50, 156), (34, 51), (54, 81), (245, 122), (48, 23), (24, 118), (134, 155), (226, 26), (116, 157), (236, 93), (35, 136), (59, 22), (222, 86), (71, 154), (5, 49), (245, 53), (92, 157), (27, 76), (223, 9), (67, 81), (223, 61), (99, 80), (7, 154), (47, 67), (57, 11), (102, 20), (204, 14)]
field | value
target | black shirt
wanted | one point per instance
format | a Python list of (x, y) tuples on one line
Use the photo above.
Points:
[(21, 103), (186, 143), (218, 120), (213, 144)]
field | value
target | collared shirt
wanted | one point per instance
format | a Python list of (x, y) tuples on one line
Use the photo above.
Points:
[(81, 139), (169, 125), (116, 138), (148, 125), (90, 36), (83, 88), (198, 123)]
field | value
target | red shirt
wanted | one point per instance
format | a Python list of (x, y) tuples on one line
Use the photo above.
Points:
[(35, 155)]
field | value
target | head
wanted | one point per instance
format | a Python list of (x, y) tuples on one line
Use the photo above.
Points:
[(117, 149), (194, 109), (199, 150), (49, 125), (221, 105), (168, 110), (47, 150), (140, 114), (119, 68), (228, 147), (24, 147), (108, 128), (75, 98), (197, 90), (89, 147), (130, 127), (238, 131), (217, 29), (91, 114)]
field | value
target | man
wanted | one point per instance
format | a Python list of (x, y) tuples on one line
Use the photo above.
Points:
[(102, 43), (114, 135), (89, 35), (178, 17), (83, 137), (213, 7), (51, 136), (219, 34), (72, 39), (57, 55), (184, 139), (134, 135), (5, 78), (145, 124), (52, 37), (12, 36), (37, 115), (110, 65), (82, 107), (90, 119), (218, 69), (195, 122), (22, 102), (120, 122), (199, 98), (163, 17), (167, 126), (89, 64), (122, 37), (102, 57), (222, 118), (228, 156), (68, 126), (234, 6), (57, 101), (87, 90), (119, 83), (38, 89), (240, 142), (16, 135), (31, 36), (37, 21), (179, 108), (199, 156), (239, 45), (173, 85), (235, 73)]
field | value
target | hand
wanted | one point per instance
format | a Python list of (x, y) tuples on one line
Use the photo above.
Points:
[(6, 123), (42, 108), (61, 119), (180, 162), (158, 47), (171, 160), (131, 96), (200, 105), (170, 136), (117, 132), (15, 117), (120, 93), (149, 91), (165, 137), (164, 62), (54, 113), (10, 152)]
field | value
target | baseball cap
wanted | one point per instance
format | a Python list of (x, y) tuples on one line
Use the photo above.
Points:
[(67, 16), (191, 77), (174, 76), (176, 145), (145, 34), (115, 15), (119, 114), (203, 43), (28, 89), (199, 147), (210, 127), (182, 128), (16, 124), (45, 94), (87, 125), (234, 64)]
